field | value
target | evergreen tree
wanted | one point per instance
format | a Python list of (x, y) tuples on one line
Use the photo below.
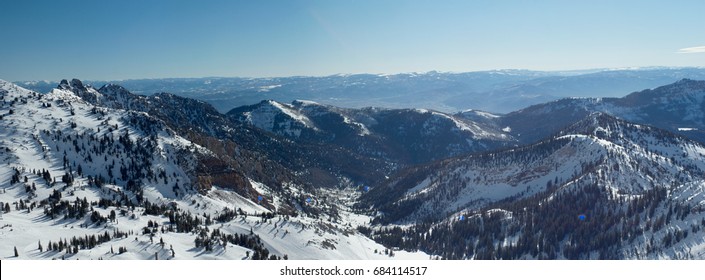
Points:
[(16, 254)]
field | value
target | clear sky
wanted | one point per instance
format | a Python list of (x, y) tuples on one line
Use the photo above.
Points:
[(259, 38)]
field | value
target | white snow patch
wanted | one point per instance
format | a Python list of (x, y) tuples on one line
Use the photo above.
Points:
[(268, 88), (362, 128), (307, 102), (482, 114)]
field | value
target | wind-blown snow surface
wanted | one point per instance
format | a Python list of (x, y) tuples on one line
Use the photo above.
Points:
[(61, 135), (318, 240)]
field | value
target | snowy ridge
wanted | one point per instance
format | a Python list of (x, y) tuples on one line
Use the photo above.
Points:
[(474, 128), (479, 113)]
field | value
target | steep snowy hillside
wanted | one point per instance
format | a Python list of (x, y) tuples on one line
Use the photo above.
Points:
[(81, 181), (602, 167), (59, 133)]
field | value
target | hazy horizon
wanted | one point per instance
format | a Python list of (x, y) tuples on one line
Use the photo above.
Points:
[(564, 72)]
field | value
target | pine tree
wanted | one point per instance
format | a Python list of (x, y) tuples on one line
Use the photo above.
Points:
[(41, 249), (16, 254)]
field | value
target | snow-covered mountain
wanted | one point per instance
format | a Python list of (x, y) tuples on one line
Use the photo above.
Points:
[(677, 107), (399, 135), (641, 187), (84, 181)]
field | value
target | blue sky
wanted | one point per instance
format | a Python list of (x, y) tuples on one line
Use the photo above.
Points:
[(155, 39)]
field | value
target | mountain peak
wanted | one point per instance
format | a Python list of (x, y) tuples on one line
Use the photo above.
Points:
[(74, 85), (685, 84), (678, 90), (271, 102), (113, 89), (594, 123), (302, 103), (686, 81), (166, 95)]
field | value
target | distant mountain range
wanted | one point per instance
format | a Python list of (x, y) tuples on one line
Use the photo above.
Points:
[(499, 91)]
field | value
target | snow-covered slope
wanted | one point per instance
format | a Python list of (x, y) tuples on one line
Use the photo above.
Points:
[(92, 182), (278, 118)]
